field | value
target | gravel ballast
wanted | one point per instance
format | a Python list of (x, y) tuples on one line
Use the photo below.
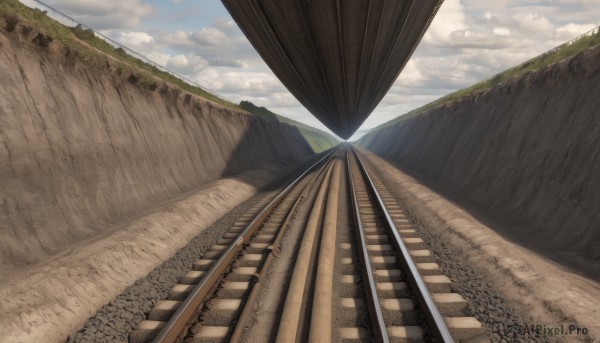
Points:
[(114, 321), (484, 302)]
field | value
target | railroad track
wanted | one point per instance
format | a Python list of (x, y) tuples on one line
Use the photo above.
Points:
[(212, 293), (406, 295), (350, 280)]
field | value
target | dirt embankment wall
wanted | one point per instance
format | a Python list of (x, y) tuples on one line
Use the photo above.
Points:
[(527, 152), (83, 148)]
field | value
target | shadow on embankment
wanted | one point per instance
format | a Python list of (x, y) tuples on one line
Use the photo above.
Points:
[(89, 146), (516, 232), (523, 157), (285, 152)]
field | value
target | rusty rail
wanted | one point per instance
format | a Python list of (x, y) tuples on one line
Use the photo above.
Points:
[(436, 322), (179, 321), (375, 312)]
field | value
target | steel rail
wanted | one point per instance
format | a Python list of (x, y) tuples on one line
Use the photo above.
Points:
[(436, 321), (375, 312), (272, 254), (321, 317), (290, 317), (180, 319)]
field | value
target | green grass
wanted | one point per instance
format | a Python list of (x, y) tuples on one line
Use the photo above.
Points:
[(562, 52), (318, 140), (262, 112)]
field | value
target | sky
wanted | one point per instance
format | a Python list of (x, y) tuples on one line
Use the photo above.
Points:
[(468, 41)]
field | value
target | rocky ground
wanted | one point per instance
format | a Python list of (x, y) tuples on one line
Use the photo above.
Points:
[(504, 283), (484, 302), (114, 321), (486, 297)]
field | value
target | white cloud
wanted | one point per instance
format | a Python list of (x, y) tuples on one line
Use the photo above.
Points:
[(177, 38), (227, 26), (210, 36), (534, 22), (449, 19), (183, 64), (411, 75), (218, 48), (240, 81), (134, 39), (501, 31), (179, 61), (451, 29), (477, 39), (159, 57), (570, 31), (105, 14), (196, 63)]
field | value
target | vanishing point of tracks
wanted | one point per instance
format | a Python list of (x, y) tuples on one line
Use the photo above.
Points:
[(367, 278)]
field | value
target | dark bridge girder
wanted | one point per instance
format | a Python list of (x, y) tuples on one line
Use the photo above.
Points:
[(337, 57)]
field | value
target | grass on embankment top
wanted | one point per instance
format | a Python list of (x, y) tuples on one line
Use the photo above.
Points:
[(562, 52), (318, 140), (72, 37)]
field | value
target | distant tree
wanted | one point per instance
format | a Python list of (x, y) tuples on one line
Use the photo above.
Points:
[(262, 112), (120, 51), (83, 33), (37, 13)]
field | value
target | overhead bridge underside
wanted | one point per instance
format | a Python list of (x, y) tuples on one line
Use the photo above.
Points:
[(337, 57)]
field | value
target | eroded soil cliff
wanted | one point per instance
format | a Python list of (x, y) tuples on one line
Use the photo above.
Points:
[(526, 153), (86, 145)]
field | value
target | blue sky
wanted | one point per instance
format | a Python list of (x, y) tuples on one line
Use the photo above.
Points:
[(468, 41)]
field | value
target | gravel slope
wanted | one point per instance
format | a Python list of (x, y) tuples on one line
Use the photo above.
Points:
[(114, 321)]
